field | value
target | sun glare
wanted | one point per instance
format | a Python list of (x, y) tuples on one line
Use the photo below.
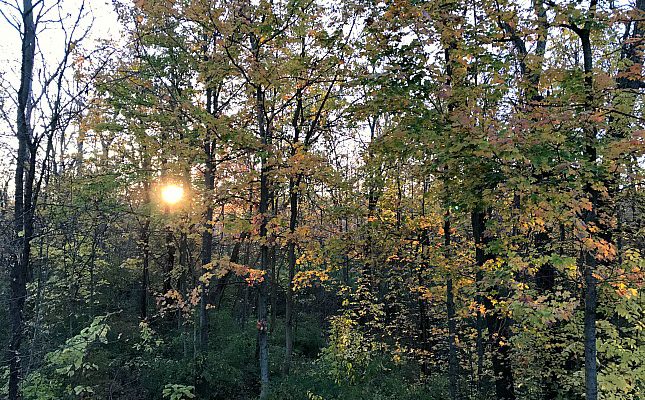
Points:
[(172, 194)]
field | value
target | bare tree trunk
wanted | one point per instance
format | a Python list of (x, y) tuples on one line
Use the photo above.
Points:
[(23, 214)]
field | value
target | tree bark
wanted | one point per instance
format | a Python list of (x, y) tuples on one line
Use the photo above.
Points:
[(590, 219), (144, 241), (263, 339), (207, 233), (498, 325), (206, 258), (144, 238), (294, 182), (453, 362), (293, 220), (23, 214)]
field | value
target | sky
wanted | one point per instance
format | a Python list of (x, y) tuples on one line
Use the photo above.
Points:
[(104, 25), (101, 13)]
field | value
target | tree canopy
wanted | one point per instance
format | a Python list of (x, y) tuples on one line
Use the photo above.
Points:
[(317, 200)]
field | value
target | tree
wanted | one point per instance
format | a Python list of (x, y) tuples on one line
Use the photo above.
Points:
[(44, 109)]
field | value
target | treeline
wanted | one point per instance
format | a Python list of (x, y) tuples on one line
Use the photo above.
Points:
[(326, 200)]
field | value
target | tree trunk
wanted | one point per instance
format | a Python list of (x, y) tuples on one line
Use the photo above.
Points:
[(170, 258), (293, 220), (247, 260), (273, 262), (207, 248), (144, 238), (206, 254), (498, 325), (144, 241), (453, 362), (294, 181), (263, 339), (23, 214), (591, 219)]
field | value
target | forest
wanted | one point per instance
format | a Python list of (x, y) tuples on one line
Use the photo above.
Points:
[(322, 199)]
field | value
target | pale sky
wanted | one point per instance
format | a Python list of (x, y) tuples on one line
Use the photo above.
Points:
[(50, 37), (105, 26)]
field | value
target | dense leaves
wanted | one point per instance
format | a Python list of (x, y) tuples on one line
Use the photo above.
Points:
[(381, 200)]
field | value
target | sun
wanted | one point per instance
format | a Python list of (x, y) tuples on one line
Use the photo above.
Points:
[(172, 194)]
